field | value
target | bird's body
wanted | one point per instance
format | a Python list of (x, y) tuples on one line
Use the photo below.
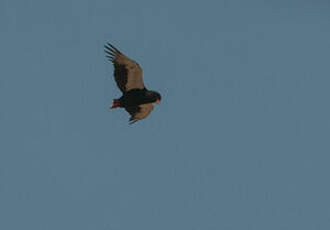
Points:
[(136, 99)]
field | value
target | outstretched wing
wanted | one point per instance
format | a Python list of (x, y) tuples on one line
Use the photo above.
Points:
[(139, 112), (128, 74)]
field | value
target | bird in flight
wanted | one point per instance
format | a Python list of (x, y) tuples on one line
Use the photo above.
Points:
[(136, 99)]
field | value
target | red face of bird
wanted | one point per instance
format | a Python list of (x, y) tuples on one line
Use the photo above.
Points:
[(154, 96), (158, 98)]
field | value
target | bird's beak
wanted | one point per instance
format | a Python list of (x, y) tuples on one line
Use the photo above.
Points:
[(158, 101)]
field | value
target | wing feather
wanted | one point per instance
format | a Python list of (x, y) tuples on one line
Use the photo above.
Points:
[(139, 112), (127, 73)]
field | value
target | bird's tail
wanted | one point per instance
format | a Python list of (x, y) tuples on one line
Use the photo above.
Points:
[(115, 104)]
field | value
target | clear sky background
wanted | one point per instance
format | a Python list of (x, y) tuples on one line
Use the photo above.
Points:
[(240, 140)]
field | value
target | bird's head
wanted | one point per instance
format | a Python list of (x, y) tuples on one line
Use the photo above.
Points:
[(155, 96)]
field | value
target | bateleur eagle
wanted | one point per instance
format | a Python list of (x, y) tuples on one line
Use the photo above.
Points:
[(137, 100)]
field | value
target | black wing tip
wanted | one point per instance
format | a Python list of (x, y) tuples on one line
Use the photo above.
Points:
[(132, 121), (110, 47), (110, 53), (110, 58), (108, 50)]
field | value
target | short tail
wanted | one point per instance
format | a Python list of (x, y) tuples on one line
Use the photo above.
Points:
[(115, 104)]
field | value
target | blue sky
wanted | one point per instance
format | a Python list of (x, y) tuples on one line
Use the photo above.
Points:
[(240, 140)]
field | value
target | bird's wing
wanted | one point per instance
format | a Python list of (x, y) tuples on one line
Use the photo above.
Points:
[(139, 112), (128, 74)]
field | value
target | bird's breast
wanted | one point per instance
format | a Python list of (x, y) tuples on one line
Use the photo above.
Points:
[(133, 98)]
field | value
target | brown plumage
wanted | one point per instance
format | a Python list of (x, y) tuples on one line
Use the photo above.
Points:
[(139, 112), (136, 99)]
